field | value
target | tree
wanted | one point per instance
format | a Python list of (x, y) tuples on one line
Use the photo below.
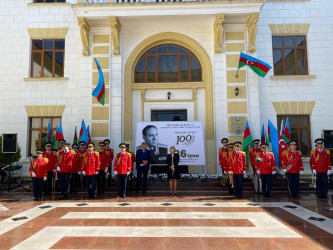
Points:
[(6, 159)]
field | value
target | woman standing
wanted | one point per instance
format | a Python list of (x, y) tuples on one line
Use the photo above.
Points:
[(173, 170)]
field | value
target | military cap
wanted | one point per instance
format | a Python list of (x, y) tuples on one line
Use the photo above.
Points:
[(237, 143), (256, 140), (230, 145), (62, 140), (127, 145), (39, 151), (122, 145), (67, 143), (75, 145), (91, 144), (106, 140), (101, 143), (319, 141), (49, 144), (293, 142), (224, 140), (82, 143), (264, 144)]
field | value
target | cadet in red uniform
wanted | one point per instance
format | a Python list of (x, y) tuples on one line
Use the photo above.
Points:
[(320, 162), (237, 167), (122, 168), (82, 150), (38, 172), (264, 164), (293, 165), (253, 152), (51, 166), (103, 158), (110, 154), (222, 154), (76, 168), (130, 177), (64, 169), (91, 169), (225, 163)]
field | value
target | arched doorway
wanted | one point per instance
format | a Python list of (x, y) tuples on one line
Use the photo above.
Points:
[(131, 84)]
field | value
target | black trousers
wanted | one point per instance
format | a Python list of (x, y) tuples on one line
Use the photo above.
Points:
[(74, 183), (101, 182), (48, 183), (142, 174), (293, 182), (109, 176), (238, 185), (91, 184), (266, 181), (37, 187), (322, 185), (64, 183), (121, 184)]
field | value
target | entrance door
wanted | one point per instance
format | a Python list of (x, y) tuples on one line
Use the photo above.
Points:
[(168, 115)]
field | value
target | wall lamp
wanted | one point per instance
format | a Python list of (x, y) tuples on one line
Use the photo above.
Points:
[(236, 91), (169, 95)]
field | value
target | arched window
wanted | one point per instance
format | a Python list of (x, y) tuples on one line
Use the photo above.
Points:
[(168, 63)]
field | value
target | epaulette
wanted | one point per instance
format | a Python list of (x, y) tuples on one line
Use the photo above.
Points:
[(96, 153), (272, 154), (244, 154), (112, 150), (300, 153), (73, 152), (328, 152), (313, 152), (46, 160), (129, 154)]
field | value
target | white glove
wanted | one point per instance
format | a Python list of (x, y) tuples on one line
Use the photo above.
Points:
[(106, 170), (45, 178), (33, 174), (258, 171), (225, 172), (301, 172), (230, 172), (128, 173), (58, 169), (96, 173), (244, 172), (79, 172), (285, 170), (328, 172), (115, 172), (314, 171), (274, 172), (84, 172), (54, 170)]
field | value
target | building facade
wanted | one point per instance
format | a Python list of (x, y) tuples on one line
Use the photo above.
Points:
[(159, 56)]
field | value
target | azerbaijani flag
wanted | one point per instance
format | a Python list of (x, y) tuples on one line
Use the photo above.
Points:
[(88, 132), (60, 133), (75, 136), (286, 132), (57, 143), (269, 138), (48, 137), (263, 139), (247, 141), (99, 91), (259, 67)]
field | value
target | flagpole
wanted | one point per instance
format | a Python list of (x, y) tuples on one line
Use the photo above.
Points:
[(237, 73)]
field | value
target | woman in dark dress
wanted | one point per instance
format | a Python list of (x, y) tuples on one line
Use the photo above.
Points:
[(173, 169)]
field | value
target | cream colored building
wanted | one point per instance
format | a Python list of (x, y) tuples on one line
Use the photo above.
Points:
[(204, 39)]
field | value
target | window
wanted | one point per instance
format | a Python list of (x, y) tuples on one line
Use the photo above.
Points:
[(49, 1), (168, 63), (47, 58), (38, 131), (300, 131), (290, 55)]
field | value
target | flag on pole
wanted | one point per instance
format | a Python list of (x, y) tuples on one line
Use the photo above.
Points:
[(99, 91), (83, 126), (286, 132), (60, 132), (269, 138), (88, 132), (282, 147), (274, 134), (75, 136), (247, 141), (84, 134), (48, 137), (263, 139), (57, 143), (259, 67)]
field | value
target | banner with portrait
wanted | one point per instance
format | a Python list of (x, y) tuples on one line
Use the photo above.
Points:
[(186, 137)]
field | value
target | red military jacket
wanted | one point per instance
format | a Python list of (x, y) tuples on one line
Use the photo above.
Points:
[(237, 163), (226, 160), (222, 154), (103, 158), (110, 155), (91, 163), (294, 160), (39, 168), (252, 155), (53, 160), (321, 162), (267, 166), (66, 161), (77, 163), (123, 163)]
